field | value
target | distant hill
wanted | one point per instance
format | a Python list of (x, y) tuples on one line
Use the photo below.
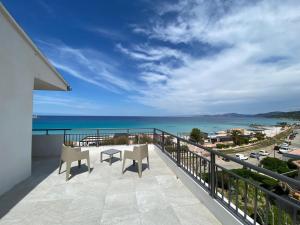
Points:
[(287, 115)]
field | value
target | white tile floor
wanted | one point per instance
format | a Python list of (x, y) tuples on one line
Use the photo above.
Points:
[(103, 197)]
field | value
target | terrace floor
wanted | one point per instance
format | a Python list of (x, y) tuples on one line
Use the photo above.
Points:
[(103, 197)]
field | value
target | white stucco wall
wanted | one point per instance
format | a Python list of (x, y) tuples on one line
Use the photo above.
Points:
[(19, 66)]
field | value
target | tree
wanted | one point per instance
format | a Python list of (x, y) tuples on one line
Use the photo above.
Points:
[(259, 136), (236, 135), (196, 135)]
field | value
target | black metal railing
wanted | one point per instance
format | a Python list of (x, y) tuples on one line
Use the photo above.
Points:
[(252, 194), (254, 199)]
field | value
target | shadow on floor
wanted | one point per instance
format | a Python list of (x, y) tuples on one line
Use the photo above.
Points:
[(134, 167), (41, 169), (113, 160)]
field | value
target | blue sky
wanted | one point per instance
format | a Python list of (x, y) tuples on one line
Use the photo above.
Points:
[(180, 57)]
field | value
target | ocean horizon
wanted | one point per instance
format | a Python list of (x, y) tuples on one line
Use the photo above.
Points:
[(172, 124)]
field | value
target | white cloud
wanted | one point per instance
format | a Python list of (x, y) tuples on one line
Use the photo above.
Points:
[(256, 66), (58, 103), (107, 33), (88, 65), (147, 53)]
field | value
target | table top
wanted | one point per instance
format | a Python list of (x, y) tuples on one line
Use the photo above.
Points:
[(110, 151)]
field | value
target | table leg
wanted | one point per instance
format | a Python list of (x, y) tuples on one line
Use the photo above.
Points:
[(121, 156), (101, 155), (110, 158), (133, 162)]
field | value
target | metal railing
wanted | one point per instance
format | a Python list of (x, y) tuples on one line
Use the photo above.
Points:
[(251, 193)]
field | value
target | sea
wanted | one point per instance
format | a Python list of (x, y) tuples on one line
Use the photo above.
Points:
[(175, 125)]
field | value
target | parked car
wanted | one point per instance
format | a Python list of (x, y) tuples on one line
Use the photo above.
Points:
[(284, 145), (284, 150), (254, 155), (225, 159), (263, 153), (241, 156)]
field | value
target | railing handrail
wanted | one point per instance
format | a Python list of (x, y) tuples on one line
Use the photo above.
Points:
[(53, 129), (231, 158)]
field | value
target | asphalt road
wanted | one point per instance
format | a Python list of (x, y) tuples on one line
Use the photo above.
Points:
[(232, 165)]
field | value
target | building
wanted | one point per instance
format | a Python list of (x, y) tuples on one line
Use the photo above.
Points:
[(23, 68)]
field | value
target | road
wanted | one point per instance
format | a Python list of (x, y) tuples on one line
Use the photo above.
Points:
[(232, 165)]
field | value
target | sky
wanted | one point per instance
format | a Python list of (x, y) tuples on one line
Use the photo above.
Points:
[(164, 58)]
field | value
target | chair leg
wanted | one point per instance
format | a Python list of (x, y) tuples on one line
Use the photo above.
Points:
[(123, 165), (148, 162), (140, 163), (89, 165), (60, 163), (68, 170), (79, 163)]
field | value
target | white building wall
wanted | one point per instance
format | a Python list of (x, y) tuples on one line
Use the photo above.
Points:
[(16, 83), (20, 64)]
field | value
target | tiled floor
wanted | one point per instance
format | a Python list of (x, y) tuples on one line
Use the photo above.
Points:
[(103, 197)]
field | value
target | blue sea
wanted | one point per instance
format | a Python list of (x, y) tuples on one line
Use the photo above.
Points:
[(175, 125)]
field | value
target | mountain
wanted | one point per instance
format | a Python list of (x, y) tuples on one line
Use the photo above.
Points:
[(287, 115)]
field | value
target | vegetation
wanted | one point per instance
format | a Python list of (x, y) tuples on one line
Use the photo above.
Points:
[(277, 165), (197, 136), (238, 138), (263, 143), (221, 146), (142, 139), (120, 140), (259, 136)]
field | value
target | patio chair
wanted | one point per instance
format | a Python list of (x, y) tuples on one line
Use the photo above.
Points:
[(138, 154), (69, 155)]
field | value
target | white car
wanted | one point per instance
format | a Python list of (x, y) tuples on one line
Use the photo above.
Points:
[(284, 145), (241, 156), (263, 153), (284, 150)]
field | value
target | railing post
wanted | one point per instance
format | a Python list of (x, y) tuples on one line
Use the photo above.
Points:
[(163, 141), (47, 132), (154, 135), (212, 174), (127, 136), (64, 137), (178, 152), (97, 137)]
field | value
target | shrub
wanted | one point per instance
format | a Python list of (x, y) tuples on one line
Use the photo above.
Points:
[(168, 140), (109, 141), (121, 140), (275, 165), (291, 165), (259, 136), (219, 146), (145, 139), (263, 180)]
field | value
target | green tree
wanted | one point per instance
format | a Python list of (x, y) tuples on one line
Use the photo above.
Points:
[(236, 136), (259, 136), (197, 136)]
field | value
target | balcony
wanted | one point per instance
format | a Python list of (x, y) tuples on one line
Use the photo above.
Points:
[(186, 184), (105, 196)]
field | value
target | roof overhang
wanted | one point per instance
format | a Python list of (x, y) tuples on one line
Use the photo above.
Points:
[(46, 77)]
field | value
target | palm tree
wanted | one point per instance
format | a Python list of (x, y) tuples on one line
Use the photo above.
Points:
[(236, 134)]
